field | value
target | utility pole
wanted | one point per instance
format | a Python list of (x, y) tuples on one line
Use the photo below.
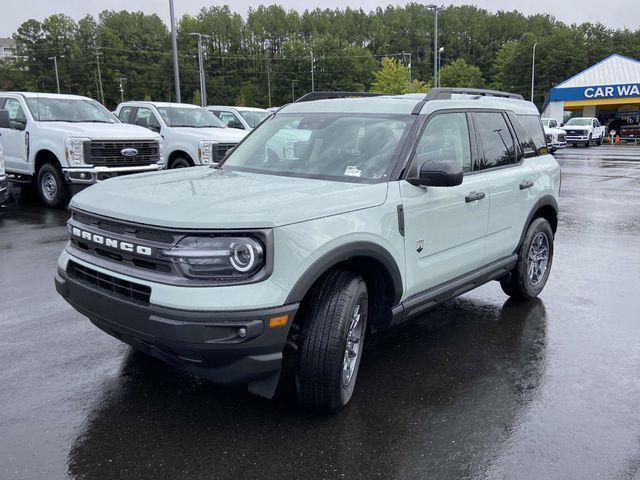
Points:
[(121, 80), (99, 74), (269, 82), (313, 84), (533, 68), (436, 9), (408, 64), (203, 84), (55, 65), (293, 90), (174, 46), (440, 50)]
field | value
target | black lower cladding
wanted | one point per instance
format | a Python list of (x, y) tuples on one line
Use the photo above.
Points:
[(233, 347)]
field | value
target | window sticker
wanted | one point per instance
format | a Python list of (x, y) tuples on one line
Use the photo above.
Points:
[(352, 171)]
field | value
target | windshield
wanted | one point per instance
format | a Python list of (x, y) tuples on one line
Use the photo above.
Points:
[(343, 147), (579, 121), (189, 117), (254, 117), (68, 110)]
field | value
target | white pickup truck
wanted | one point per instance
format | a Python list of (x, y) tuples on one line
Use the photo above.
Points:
[(192, 135), (585, 130), (62, 143)]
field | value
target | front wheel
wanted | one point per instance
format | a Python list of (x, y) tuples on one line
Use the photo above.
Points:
[(332, 342), (535, 256), (588, 142), (180, 162), (51, 186), (600, 138)]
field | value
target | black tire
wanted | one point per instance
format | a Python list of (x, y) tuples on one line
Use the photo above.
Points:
[(588, 142), (51, 186), (599, 141), (322, 384), (181, 162), (518, 284)]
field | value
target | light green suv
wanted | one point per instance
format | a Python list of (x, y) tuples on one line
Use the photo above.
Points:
[(269, 269)]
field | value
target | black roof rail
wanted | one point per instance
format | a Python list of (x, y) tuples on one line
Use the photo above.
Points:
[(446, 92), (328, 95)]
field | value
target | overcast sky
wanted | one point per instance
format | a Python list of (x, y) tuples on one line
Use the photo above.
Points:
[(613, 13)]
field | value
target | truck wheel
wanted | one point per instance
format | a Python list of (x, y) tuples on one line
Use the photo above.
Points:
[(599, 141), (180, 162), (51, 186), (535, 256), (588, 142), (332, 343)]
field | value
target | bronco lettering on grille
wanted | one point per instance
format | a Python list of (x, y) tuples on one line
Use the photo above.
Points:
[(112, 242)]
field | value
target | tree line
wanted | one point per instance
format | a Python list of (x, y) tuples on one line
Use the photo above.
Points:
[(352, 50)]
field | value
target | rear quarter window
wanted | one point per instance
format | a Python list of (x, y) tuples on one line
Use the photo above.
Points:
[(530, 134)]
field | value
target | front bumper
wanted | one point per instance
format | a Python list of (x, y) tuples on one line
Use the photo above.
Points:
[(91, 174), (577, 138), (557, 145), (227, 347), (4, 190)]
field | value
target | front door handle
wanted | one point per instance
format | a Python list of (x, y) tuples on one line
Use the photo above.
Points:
[(526, 184), (473, 196)]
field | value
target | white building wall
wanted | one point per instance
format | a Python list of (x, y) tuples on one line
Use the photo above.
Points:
[(554, 110)]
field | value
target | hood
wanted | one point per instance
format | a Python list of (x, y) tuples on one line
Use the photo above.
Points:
[(203, 197), (221, 135), (100, 131), (551, 131), (576, 127)]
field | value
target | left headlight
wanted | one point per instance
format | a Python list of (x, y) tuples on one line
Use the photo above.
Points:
[(206, 149), (218, 258), (74, 151), (160, 150)]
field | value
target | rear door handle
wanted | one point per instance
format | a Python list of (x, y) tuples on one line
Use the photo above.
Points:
[(473, 196), (526, 184)]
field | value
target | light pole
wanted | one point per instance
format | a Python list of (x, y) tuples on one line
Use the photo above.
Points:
[(174, 46), (436, 9), (55, 65), (269, 82), (533, 68), (121, 81), (408, 64), (203, 85), (440, 50)]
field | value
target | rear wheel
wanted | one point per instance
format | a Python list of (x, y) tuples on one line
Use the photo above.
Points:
[(332, 342), (51, 186), (532, 269)]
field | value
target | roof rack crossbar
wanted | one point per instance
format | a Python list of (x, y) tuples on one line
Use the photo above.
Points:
[(329, 95), (445, 93)]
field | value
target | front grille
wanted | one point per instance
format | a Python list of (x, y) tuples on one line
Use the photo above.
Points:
[(133, 292), (223, 148), (109, 153), (575, 133)]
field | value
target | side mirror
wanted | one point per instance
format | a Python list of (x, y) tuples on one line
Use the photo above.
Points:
[(438, 173), (4, 118), (562, 124)]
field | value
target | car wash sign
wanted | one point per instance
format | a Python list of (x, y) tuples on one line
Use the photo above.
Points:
[(595, 92)]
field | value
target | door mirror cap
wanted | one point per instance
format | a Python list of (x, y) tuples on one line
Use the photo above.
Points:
[(4, 118), (439, 173)]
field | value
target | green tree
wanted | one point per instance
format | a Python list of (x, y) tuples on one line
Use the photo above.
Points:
[(392, 77), (460, 74)]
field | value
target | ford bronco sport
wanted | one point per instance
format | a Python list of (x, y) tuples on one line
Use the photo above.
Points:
[(383, 208)]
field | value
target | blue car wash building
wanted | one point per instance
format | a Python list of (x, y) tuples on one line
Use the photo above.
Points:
[(608, 90)]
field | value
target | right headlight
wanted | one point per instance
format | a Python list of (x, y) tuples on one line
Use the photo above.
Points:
[(218, 258), (74, 151), (206, 149)]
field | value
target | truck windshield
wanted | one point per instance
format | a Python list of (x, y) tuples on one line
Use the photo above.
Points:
[(189, 117), (579, 121), (343, 147), (254, 117), (45, 109)]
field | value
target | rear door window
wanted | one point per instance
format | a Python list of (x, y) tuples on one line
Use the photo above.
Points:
[(533, 135), (497, 148)]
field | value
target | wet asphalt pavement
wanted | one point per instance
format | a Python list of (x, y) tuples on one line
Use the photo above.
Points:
[(479, 388)]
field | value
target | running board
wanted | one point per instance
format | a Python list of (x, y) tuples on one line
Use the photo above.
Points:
[(421, 302)]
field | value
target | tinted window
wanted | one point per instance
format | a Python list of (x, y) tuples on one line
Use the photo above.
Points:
[(146, 118), (534, 133), (124, 114), (446, 137), (496, 143)]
